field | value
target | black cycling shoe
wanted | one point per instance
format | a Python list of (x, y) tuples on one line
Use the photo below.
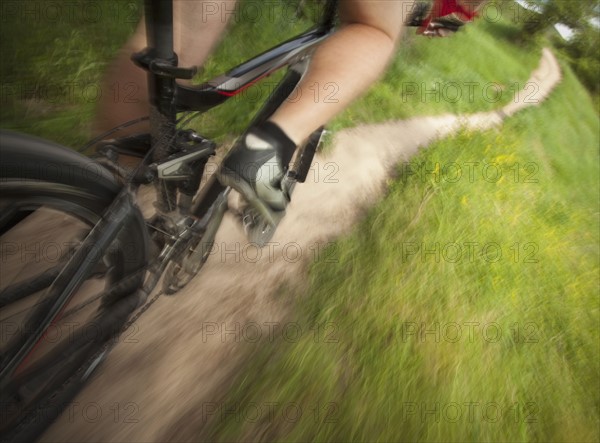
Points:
[(255, 168)]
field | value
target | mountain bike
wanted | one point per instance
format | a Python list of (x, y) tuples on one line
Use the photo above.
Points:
[(78, 257), (80, 261)]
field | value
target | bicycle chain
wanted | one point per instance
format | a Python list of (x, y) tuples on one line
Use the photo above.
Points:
[(141, 310)]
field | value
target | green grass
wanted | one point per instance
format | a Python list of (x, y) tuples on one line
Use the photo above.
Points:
[(526, 364)]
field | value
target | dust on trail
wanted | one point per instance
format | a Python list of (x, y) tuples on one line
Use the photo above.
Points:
[(185, 350)]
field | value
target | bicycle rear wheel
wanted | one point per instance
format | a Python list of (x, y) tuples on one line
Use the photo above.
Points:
[(50, 199)]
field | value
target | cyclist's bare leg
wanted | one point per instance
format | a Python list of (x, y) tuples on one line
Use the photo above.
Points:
[(197, 28), (344, 66), (349, 62)]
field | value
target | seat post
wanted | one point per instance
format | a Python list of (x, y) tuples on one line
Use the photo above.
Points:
[(159, 27), (161, 89)]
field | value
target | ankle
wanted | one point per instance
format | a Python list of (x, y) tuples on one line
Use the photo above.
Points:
[(272, 134)]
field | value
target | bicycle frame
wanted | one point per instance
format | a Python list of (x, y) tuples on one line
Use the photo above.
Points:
[(166, 99), (160, 60)]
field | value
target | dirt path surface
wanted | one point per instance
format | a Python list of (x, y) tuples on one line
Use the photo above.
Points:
[(185, 349)]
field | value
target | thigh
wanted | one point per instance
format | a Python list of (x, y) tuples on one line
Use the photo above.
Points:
[(198, 26)]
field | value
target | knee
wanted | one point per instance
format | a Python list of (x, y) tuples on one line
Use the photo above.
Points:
[(380, 20)]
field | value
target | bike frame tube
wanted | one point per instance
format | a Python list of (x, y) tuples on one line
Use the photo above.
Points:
[(170, 97), (223, 87), (161, 90)]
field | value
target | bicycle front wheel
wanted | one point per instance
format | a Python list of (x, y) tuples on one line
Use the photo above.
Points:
[(48, 205)]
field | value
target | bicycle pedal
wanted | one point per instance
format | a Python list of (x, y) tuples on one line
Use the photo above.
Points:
[(256, 228)]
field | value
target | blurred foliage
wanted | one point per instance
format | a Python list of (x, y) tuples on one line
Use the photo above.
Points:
[(575, 14), (583, 17), (54, 54)]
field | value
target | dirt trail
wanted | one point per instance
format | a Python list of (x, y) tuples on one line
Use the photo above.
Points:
[(171, 362)]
